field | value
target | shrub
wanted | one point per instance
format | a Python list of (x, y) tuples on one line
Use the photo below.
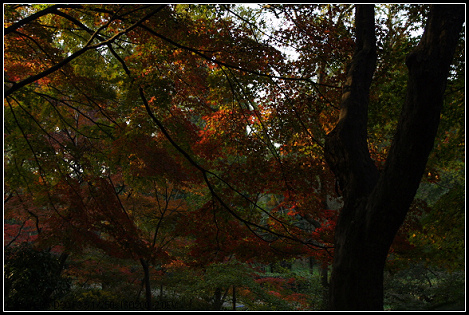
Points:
[(95, 300), (33, 279), (419, 288)]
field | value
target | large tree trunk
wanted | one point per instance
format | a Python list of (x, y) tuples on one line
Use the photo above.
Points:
[(375, 205)]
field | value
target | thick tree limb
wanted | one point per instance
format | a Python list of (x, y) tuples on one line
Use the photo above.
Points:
[(376, 205), (35, 16), (429, 66), (346, 149)]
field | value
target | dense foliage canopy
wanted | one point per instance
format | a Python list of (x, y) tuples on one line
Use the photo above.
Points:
[(189, 137)]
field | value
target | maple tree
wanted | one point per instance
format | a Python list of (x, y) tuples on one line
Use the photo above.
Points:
[(179, 135)]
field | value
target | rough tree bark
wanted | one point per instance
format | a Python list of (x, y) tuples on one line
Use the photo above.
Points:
[(375, 204)]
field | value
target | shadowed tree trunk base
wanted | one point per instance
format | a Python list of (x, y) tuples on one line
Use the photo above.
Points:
[(376, 204)]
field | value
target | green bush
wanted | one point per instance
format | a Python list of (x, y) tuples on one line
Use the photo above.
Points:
[(95, 300), (421, 288), (180, 303), (103, 300), (32, 279)]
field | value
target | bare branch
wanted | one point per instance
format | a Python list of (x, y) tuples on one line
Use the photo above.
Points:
[(35, 16)]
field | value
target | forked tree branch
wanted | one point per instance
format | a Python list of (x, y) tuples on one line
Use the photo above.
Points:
[(88, 46)]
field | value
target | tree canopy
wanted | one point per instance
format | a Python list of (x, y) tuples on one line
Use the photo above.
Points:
[(186, 136)]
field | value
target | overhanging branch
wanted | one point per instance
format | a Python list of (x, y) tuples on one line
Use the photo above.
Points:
[(205, 173), (88, 46)]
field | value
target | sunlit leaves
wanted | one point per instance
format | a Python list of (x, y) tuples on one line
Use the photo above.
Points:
[(200, 80), (87, 167)]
